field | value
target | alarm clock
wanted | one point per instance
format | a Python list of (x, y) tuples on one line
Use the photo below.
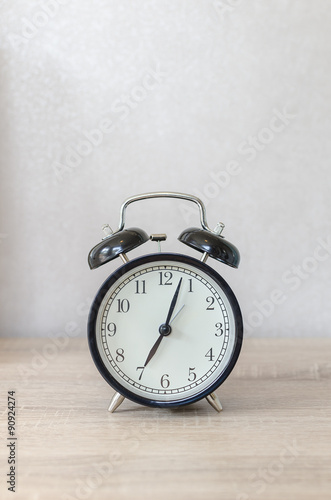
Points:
[(165, 329)]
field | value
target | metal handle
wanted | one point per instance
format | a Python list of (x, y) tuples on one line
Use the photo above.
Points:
[(162, 194)]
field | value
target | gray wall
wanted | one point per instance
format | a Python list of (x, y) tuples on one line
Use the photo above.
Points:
[(228, 100)]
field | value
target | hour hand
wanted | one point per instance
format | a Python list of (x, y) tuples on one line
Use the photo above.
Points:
[(150, 355), (153, 350)]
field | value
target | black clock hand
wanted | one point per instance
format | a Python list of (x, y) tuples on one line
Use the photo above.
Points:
[(173, 302), (153, 350), (164, 329)]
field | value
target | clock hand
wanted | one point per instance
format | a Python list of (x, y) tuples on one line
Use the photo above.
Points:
[(165, 329), (158, 342), (176, 314), (173, 302), (153, 350)]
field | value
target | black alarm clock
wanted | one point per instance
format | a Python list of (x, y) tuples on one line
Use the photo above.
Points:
[(165, 329)]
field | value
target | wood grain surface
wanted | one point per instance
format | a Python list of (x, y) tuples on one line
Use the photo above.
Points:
[(272, 440)]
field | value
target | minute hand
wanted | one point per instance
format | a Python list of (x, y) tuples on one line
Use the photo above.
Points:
[(173, 302)]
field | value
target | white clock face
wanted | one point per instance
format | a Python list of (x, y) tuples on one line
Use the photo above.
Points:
[(166, 330)]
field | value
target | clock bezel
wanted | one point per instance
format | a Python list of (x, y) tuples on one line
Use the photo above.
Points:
[(148, 259)]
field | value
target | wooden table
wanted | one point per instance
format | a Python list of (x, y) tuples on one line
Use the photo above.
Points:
[(272, 440)]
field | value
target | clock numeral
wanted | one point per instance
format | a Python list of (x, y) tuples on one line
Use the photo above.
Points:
[(191, 375), (142, 368), (210, 300), (140, 286), (165, 382), (120, 355), (165, 278), (210, 354), (111, 327), (123, 305), (191, 285), (219, 331)]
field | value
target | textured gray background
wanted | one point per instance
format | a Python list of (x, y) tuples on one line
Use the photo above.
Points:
[(182, 96)]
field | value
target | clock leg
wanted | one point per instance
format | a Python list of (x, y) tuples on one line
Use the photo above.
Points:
[(213, 400), (117, 399)]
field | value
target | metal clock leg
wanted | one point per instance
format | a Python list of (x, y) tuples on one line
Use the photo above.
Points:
[(117, 399), (213, 400)]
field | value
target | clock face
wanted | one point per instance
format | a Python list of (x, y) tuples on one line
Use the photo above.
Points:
[(165, 330)]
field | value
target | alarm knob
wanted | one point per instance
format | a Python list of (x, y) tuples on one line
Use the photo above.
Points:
[(115, 245), (212, 244)]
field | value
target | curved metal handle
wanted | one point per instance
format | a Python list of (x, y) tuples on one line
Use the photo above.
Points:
[(164, 194)]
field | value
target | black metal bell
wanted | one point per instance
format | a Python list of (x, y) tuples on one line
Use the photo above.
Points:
[(211, 243), (121, 242)]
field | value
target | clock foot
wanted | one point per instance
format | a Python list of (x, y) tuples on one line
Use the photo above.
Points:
[(214, 402), (117, 399)]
